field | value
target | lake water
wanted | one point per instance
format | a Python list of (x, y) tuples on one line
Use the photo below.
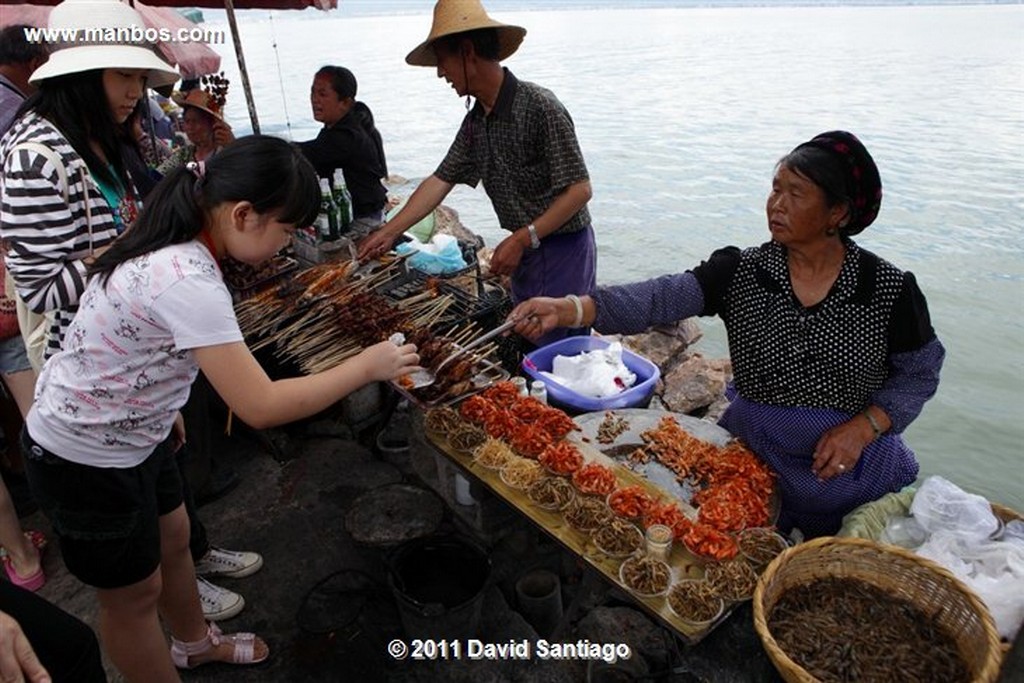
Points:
[(682, 112)]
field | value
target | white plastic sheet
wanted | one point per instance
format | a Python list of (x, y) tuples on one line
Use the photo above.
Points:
[(599, 373), (961, 527)]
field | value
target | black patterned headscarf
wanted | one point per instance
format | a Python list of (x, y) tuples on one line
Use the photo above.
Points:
[(862, 179)]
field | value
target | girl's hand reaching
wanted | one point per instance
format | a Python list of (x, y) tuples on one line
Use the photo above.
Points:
[(387, 360)]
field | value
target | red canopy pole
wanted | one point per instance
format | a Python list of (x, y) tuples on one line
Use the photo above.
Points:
[(229, 5)]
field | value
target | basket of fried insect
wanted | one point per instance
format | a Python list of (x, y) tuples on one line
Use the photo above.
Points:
[(850, 609)]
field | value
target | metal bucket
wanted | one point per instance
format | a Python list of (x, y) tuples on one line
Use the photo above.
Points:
[(439, 585)]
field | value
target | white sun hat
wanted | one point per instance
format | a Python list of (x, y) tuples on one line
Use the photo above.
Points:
[(109, 35)]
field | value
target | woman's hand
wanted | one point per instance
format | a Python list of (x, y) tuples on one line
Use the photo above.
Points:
[(506, 256), (386, 360), (839, 449), (222, 134), (18, 661), (539, 316)]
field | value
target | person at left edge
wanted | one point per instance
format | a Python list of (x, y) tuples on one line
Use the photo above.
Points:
[(56, 227), (350, 141), (22, 561)]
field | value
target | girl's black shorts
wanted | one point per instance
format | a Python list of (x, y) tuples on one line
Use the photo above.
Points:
[(107, 519)]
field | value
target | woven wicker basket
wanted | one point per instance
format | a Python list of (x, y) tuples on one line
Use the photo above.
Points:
[(1006, 514), (929, 587)]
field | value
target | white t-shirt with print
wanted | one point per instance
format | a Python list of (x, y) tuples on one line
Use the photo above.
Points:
[(111, 394)]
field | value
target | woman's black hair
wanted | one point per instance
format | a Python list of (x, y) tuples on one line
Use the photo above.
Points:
[(343, 81), (824, 169), (485, 42), (268, 172), (77, 105)]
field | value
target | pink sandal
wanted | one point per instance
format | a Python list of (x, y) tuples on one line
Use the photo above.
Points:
[(30, 583), (36, 538), (244, 648)]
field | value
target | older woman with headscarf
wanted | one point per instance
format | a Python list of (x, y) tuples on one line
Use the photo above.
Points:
[(832, 347)]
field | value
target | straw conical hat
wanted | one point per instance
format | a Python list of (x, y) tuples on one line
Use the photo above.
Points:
[(200, 99), (459, 16)]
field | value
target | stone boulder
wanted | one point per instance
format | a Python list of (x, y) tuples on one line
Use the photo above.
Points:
[(695, 383), (661, 349)]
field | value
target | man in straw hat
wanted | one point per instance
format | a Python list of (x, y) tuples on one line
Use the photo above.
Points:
[(520, 141)]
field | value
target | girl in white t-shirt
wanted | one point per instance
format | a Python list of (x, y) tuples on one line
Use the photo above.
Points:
[(99, 439)]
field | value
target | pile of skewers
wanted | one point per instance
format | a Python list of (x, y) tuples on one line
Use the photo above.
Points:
[(324, 315)]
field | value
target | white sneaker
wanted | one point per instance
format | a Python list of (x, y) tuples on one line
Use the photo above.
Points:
[(229, 563), (218, 603)]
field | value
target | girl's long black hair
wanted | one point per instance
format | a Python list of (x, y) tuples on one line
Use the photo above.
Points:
[(268, 172), (77, 104)]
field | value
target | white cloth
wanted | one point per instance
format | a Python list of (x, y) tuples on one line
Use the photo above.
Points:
[(110, 396), (599, 373)]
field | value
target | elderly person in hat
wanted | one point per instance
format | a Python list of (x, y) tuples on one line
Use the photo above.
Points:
[(203, 123), (348, 141), (832, 347), (65, 197), (520, 142)]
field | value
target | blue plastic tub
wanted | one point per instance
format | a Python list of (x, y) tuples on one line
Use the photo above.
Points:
[(637, 396)]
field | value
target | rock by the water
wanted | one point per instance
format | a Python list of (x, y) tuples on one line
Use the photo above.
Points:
[(694, 384), (661, 349)]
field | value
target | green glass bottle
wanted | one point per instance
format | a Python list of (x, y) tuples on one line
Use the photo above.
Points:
[(343, 200), (327, 219)]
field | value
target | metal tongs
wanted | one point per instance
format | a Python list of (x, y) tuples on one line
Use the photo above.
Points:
[(425, 377)]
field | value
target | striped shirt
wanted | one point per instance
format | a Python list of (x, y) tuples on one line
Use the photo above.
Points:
[(48, 237)]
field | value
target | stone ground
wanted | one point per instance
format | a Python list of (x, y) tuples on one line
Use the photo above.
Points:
[(292, 506)]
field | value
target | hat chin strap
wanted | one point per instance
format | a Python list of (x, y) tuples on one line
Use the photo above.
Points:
[(465, 77)]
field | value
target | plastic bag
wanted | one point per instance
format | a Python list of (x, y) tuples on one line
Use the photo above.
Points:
[(942, 506), (992, 569), (599, 373), (904, 531), (1014, 532), (869, 520), (440, 255), (423, 230)]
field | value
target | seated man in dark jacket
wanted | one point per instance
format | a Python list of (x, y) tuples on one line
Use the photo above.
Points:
[(349, 141)]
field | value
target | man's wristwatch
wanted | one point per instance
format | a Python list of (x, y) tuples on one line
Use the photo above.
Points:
[(534, 239)]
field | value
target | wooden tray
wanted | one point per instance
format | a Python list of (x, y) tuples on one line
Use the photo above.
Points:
[(640, 420), (684, 564)]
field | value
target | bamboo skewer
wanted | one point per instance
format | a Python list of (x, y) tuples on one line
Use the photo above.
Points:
[(322, 317)]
